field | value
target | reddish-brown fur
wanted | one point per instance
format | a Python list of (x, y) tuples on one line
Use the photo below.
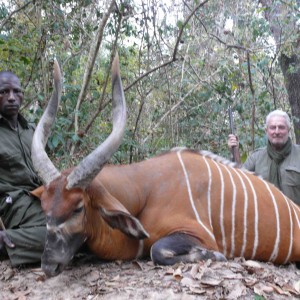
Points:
[(155, 191)]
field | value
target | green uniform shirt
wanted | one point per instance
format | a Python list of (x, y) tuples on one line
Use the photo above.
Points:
[(16, 169), (21, 213), (260, 162)]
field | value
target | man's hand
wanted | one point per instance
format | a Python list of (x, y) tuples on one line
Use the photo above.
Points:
[(5, 240), (233, 141)]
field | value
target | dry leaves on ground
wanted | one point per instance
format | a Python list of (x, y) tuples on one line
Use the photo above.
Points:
[(236, 279)]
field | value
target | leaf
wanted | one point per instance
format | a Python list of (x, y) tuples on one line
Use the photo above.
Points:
[(197, 290), (237, 291), (138, 265), (169, 271), (188, 282), (194, 271), (116, 278), (261, 289), (93, 276), (252, 266), (111, 283), (25, 60), (55, 141), (211, 281), (177, 274), (297, 286), (279, 290), (258, 297), (21, 295), (179, 24), (250, 281)]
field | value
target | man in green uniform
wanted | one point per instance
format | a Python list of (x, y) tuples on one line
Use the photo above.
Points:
[(23, 237), (279, 162)]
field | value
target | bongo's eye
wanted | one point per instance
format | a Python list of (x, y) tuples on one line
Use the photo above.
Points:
[(78, 210)]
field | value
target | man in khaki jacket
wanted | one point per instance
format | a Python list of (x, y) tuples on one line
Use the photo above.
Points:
[(279, 161)]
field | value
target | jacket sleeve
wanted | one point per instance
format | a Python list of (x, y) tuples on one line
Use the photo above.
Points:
[(249, 164)]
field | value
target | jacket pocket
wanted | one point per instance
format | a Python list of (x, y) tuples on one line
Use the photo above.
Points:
[(11, 162), (291, 177), (14, 170)]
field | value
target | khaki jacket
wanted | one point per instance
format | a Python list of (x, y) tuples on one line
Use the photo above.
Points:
[(260, 162)]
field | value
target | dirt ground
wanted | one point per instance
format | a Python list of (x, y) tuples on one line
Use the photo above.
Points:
[(89, 278)]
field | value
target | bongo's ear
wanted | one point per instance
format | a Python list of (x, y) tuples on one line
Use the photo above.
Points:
[(38, 192)]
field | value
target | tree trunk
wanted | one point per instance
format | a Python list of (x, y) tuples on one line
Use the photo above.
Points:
[(290, 67), (275, 14)]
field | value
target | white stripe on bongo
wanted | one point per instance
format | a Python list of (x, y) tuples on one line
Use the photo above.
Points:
[(245, 212), (256, 215), (296, 207), (208, 190), (222, 209), (191, 196), (232, 250), (291, 229), (277, 241)]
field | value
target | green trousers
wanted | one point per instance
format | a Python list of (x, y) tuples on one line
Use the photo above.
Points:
[(26, 227)]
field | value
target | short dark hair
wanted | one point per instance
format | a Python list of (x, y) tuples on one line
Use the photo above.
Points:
[(7, 72)]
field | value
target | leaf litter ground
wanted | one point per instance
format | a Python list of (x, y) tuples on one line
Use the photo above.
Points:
[(89, 278)]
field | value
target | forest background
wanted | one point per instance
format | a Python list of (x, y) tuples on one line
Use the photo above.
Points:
[(183, 64)]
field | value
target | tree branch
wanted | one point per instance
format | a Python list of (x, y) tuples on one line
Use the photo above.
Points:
[(173, 108), (174, 55), (12, 13), (91, 60), (253, 100)]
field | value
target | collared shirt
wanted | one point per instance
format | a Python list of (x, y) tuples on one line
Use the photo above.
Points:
[(16, 169), (260, 162)]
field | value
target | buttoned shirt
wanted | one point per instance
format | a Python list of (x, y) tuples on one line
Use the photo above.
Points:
[(16, 169)]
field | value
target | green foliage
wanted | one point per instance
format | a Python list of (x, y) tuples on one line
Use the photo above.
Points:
[(3, 11), (260, 28), (16, 55), (181, 104), (179, 24)]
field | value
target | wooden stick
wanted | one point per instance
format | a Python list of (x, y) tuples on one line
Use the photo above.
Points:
[(2, 227), (7, 242)]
